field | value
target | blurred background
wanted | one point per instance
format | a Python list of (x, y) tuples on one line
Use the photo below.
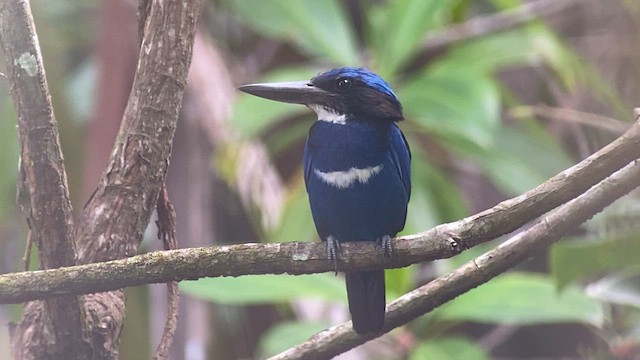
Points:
[(494, 104)]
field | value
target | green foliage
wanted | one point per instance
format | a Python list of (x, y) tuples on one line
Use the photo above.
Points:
[(523, 299), (433, 198), (518, 161), (448, 348), (460, 107), (399, 281), (453, 104), (260, 289), (286, 335), (305, 23), (579, 258), (398, 27), (245, 112), (296, 221)]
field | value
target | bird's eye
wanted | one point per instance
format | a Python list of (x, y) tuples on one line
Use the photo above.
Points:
[(344, 83)]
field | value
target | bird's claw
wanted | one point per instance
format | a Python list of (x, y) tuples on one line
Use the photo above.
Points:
[(333, 251), (383, 245)]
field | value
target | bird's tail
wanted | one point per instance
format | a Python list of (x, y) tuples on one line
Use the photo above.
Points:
[(365, 290)]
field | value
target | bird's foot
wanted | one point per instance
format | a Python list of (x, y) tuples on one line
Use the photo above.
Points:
[(383, 244), (333, 250)]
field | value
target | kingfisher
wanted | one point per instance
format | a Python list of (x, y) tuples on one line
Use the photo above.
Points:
[(357, 172)]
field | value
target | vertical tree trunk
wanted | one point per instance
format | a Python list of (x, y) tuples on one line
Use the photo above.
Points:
[(113, 221), (58, 328)]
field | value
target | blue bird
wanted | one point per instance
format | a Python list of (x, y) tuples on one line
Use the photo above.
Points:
[(357, 171)]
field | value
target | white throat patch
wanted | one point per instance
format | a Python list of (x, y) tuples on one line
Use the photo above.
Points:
[(344, 179), (325, 114)]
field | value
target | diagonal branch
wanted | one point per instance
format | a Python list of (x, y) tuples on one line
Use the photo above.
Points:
[(543, 233), (480, 26), (302, 258), (494, 23), (48, 210)]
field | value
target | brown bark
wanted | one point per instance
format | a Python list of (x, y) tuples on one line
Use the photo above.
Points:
[(48, 211), (112, 223)]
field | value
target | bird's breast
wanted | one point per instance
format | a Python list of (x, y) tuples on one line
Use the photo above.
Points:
[(347, 178), (344, 154)]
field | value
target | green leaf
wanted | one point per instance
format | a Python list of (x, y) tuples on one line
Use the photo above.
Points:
[(399, 26), (491, 53), (445, 266), (519, 161), (252, 115), (523, 299), (571, 260), (260, 289), (434, 199), (457, 105), (318, 27), (280, 142), (285, 335), (399, 281), (296, 223), (448, 348)]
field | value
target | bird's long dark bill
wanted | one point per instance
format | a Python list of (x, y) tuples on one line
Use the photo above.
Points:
[(298, 92)]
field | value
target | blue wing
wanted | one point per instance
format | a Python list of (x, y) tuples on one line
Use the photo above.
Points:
[(306, 162), (401, 157)]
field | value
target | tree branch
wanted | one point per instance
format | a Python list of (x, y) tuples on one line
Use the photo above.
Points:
[(45, 180), (493, 23), (302, 258), (439, 40), (543, 233), (595, 121)]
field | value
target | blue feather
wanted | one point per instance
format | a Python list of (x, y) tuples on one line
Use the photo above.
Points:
[(357, 170), (363, 211), (370, 79)]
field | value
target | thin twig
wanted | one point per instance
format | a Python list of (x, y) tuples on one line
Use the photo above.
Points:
[(601, 122), (483, 25), (167, 233), (26, 258)]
